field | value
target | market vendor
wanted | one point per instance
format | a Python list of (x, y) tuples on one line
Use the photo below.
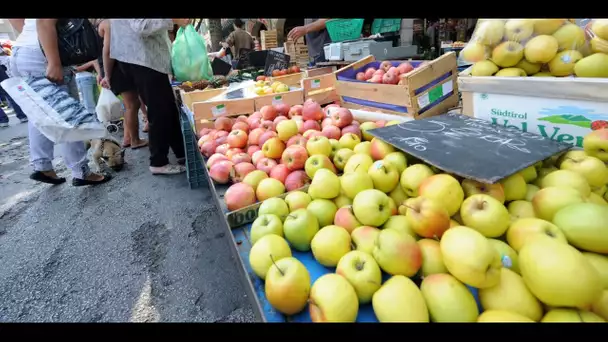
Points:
[(316, 37), (238, 39)]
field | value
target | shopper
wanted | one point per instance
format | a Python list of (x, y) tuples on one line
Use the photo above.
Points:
[(120, 85), (55, 84), (86, 80), (4, 95), (316, 37), (238, 39), (142, 49)]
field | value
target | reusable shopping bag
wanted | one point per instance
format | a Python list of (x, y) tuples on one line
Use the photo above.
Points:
[(189, 56)]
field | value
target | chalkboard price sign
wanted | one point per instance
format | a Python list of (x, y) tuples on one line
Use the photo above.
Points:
[(275, 61), (469, 147)]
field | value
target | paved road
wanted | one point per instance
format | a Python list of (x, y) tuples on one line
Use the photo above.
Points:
[(139, 248)]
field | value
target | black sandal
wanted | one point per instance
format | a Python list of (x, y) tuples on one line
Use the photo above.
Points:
[(38, 176), (84, 182)]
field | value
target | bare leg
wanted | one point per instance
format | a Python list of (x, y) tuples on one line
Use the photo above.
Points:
[(131, 120)]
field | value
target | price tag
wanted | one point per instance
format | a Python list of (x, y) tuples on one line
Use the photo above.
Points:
[(277, 100), (218, 110), (315, 84), (435, 94)]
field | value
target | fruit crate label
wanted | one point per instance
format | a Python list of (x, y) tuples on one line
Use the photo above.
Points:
[(218, 110), (435, 94), (277, 100), (315, 84)]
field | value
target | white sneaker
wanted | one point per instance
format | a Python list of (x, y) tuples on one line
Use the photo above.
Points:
[(4, 124), (169, 169), (24, 120)]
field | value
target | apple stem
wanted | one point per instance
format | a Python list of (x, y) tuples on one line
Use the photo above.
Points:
[(353, 246), (277, 266), (436, 237)]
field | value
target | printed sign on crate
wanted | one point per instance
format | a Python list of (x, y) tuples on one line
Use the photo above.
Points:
[(470, 147)]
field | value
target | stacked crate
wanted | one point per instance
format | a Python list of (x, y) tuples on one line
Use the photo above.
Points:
[(290, 49), (269, 39), (301, 53)]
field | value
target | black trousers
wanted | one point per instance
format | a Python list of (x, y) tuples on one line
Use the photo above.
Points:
[(163, 117)]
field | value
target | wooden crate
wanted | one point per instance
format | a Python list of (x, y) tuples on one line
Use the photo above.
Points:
[(209, 110), (199, 95), (269, 39), (291, 98), (428, 90), (290, 80), (558, 108), (321, 86)]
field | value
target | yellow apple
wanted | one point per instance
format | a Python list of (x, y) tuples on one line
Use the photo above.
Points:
[(432, 261), (515, 187), (366, 126), (398, 159), (398, 195), (264, 225), (520, 209), (384, 175), (529, 174), (333, 299), (364, 238), (473, 187), (318, 145), (567, 178), (400, 223), (397, 253), (287, 129), (475, 52), (362, 272), (518, 30), (542, 172), (448, 300), (330, 244), (287, 286), (596, 142), (592, 169), (594, 198), (511, 294), (572, 315), (600, 306), (600, 262), (486, 215), (585, 225), (498, 316), (525, 229), (531, 190), (400, 300), (559, 275), (363, 147), (268, 249), (349, 140), (426, 217), (380, 149), (325, 184), (489, 31), (358, 163), (413, 176), (297, 200), (507, 54), (508, 255), (445, 189), (300, 227), (372, 207), (548, 201)]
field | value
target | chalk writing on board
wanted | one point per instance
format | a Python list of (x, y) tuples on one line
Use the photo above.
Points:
[(415, 142)]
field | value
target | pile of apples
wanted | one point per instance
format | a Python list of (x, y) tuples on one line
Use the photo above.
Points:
[(278, 149), (387, 73), (534, 245)]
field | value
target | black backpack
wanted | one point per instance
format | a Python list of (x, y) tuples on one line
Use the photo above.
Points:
[(78, 41)]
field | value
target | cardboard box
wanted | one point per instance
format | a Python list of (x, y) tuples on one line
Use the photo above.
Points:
[(561, 109), (428, 90)]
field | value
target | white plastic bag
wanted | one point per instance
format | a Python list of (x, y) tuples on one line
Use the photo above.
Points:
[(109, 107), (69, 126)]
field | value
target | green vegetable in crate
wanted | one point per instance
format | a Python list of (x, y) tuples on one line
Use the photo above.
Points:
[(189, 56)]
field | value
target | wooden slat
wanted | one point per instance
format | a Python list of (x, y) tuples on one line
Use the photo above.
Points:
[(420, 77), (291, 98), (358, 64), (290, 80), (318, 82), (199, 95), (350, 105), (204, 110), (377, 92)]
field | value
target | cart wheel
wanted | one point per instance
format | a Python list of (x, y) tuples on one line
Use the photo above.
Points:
[(112, 128)]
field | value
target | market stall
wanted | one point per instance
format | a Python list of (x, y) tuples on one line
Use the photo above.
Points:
[(361, 211)]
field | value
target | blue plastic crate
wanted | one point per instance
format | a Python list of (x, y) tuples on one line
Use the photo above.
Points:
[(195, 167)]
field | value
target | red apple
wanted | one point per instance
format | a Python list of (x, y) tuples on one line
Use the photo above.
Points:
[(267, 125), (385, 65), (257, 156), (312, 133), (254, 136), (237, 138), (297, 140), (341, 117), (208, 148), (254, 120), (204, 131), (265, 136), (360, 76), (282, 109), (295, 110), (311, 110), (380, 72), (223, 123), (241, 118), (353, 128), (215, 158), (240, 171), (309, 124), (266, 164), (326, 122), (268, 113), (375, 79), (219, 134), (355, 122), (390, 78), (242, 125), (296, 179), (381, 123), (220, 171), (223, 148), (222, 139), (394, 70), (241, 158), (331, 132), (327, 108), (405, 67), (369, 73), (232, 151), (279, 173), (252, 149), (238, 196), (294, 157)]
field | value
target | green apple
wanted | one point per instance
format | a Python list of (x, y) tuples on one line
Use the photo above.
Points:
[(594, 143), (276, 206), (287, 286), (470, 257), (600, 263), (398, 159), (529, 174), (515, 187), (353, 183), (264, 225), (444, 189), (379, 149), (585, 226), (398, 195), (400, 300), (508, 255), (592, 169), (254, 178), (362, 272), (372, 207), (542, 173), (473, 187), (512, 295), (365, 127), (268, 188), (341, 157), (397, 253), (527, 229), (300, 227), (318, 145), (432, 261), (567, 278), (268, 249), (325, 184), (324, 210), (333, 299), (448, 300), (364, 238), (426, 217), (413, 176), (549, 201), (531, 190), (345, 218), (335, 146), (317, 162), (499, 316), (297, 200), (574, 154), (567, 178), (571, 316), (358, 163), (342, 200), (486, 215), (363, 147), (594, 198), (600, 307), (400, 223), (520, 209), (330, 244), (349, 140), (384, 175)]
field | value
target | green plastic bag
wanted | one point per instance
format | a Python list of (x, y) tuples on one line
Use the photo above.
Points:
[(189, 56)]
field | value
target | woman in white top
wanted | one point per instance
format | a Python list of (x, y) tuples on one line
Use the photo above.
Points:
[(55, 84)]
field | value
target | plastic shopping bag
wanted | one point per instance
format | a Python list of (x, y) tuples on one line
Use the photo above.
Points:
[(73, 123), (109, 107), (189, 56)]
